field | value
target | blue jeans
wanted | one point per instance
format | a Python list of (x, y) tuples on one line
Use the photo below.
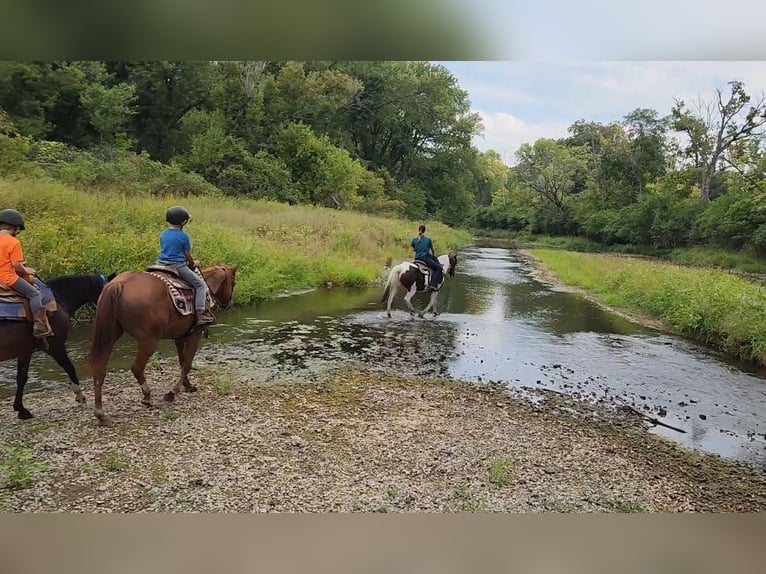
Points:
[(433, 263), (22, 287), (200, 287)]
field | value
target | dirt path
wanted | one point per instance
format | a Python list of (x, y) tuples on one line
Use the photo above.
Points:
[(356, 441)]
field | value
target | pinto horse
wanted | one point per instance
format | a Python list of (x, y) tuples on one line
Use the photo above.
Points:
[(413, 277), (17, 342), (138, 303)]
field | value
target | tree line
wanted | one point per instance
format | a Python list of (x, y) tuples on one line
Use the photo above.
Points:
[(696, 176), (395, 138), (386, 137)]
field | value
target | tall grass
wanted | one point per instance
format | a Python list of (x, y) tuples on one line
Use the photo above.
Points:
[(278, 247), (706, 304), (701, 256)]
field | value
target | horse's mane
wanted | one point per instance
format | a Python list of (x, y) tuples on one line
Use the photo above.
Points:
[(73, 291), (66, 282)]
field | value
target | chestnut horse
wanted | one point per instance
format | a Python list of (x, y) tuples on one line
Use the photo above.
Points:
[(17, 342), (138, 303)]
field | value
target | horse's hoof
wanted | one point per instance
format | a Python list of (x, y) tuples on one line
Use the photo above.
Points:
[(169, 397), (189, 388), (147, 403), (24, 414), (80, 399), (104, 420), (389, 315), (420, 315)]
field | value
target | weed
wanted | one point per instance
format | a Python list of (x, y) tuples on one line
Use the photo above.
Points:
[(113, 462), (18, 467), (499, 474)]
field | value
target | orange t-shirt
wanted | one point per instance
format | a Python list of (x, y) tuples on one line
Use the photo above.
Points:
[(10, 250)]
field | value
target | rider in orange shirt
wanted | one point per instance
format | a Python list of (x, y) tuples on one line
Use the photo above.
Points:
[(13, 272)]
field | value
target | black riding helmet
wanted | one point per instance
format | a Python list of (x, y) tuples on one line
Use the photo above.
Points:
[(12, 217), (177, 215)]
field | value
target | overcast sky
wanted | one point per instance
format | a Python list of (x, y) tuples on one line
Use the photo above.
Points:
[(521, 101)]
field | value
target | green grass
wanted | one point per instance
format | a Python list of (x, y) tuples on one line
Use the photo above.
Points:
[(18, 469), (498, 471), (278, 247), (701, 256), (721, 258), (705, 304)]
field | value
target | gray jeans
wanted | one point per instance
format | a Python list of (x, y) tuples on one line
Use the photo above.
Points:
[(30, 292), (200, 287)]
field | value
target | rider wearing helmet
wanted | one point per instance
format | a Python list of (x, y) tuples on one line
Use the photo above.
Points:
[(175, 251), (13, 272)]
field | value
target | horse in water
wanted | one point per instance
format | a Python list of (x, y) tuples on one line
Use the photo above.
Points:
[(150, 306), (413, 277), (70, 292)]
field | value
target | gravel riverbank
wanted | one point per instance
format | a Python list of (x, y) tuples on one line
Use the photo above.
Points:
[(356, 440)]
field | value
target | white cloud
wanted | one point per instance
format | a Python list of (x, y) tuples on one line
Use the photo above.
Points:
[(504, 133)]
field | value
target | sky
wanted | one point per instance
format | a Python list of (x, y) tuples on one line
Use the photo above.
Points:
[(521, 101)]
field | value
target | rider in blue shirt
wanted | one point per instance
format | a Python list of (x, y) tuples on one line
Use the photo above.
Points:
[(424, 251), (175, 251)]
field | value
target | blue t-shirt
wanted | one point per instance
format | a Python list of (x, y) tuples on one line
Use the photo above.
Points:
[(173, 243), (421, 246)]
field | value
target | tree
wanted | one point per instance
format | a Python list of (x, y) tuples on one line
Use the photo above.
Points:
[(108, 107), (647, 146), (549, 170), (716, 128)]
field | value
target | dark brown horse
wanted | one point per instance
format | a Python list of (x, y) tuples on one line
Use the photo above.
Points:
[(16, 341), (137, 303)]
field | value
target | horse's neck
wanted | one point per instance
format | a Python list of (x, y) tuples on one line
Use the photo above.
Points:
[(72, 299), (444, 260)]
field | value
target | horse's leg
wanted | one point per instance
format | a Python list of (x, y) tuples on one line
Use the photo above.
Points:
[(410, 294), (22, 374), (57, 350), (431, 303), (99, 374), (146, 349), (391, 296), (181, 344), (190, 345)]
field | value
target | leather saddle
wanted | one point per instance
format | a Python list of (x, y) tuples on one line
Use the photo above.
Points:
[(426, 271), (181, 293)]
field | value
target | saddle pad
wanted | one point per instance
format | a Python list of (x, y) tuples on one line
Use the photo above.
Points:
[(181, 293), (14, 306)]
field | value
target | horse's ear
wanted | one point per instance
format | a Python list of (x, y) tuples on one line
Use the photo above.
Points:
[(234, 268)]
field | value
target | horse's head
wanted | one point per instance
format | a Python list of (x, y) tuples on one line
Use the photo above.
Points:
[(452, 263), (221, 280)]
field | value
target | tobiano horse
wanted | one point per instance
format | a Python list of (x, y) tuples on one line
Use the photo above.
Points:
[(70, 293), (144, 305), (413, 277)]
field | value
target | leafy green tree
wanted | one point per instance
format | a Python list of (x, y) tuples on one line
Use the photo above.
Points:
[(716, 128)]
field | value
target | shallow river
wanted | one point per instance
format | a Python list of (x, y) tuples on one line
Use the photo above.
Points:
[(499, 326)]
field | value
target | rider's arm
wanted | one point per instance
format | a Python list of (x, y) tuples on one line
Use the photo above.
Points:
[(190, 260), (21, 270)]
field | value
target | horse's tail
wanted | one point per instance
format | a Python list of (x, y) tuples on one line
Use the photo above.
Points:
[(389, 284), (105, 328)]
